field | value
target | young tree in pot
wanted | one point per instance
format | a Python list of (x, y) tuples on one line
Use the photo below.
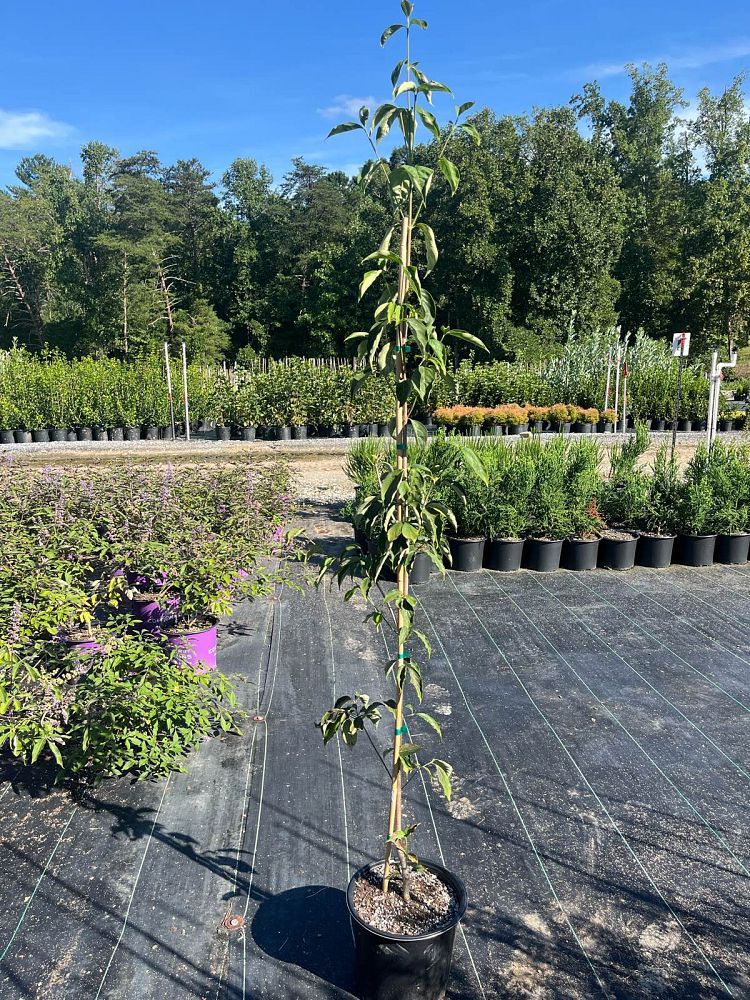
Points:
[(657, 519), (405, 343), (467, 498)]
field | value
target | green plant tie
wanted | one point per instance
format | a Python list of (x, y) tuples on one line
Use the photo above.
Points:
[(406, 348), (401, 446), (402, 731), (406, 655)]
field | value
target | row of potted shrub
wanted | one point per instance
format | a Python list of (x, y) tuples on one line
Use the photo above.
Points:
[(546, 504), (513, 418)]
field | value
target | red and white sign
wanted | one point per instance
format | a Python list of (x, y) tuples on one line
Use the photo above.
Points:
[(681, 345)]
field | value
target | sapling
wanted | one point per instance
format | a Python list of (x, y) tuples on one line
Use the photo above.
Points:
[(403, 344)]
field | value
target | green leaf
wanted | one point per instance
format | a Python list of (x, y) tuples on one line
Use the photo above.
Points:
[(407, 7), (429, 121), (468, 337), (430, 722), (420, 431), (407, 85), (420, 22), (449, 170), (390, 30), (443, 772), (430, 245), (466, 106), (473, 132), (364, 114), (344, 127), (369, 278), (473, 463), (55, 750)]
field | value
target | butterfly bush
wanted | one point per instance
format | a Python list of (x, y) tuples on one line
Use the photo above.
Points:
[(81, 686)]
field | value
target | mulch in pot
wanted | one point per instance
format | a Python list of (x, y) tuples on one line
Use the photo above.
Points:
[(432, 904)]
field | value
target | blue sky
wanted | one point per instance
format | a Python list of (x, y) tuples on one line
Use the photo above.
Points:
[(268, 80)]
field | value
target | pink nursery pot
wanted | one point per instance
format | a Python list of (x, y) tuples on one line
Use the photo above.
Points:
[(196, 647)]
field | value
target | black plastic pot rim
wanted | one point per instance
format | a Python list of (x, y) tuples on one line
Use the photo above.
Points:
[(436, 869), (466, 538), (684, 534), (722, 534)]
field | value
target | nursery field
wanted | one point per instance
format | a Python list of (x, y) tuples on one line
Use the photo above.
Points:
[(598, 727)]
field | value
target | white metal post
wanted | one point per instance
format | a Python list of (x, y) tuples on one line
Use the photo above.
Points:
[(185, 391), (710, 420)]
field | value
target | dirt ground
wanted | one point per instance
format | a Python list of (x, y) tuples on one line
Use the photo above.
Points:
[(317, 466)]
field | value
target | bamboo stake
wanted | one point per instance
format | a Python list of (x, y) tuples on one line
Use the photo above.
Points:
[(185, 391), (169, 388)]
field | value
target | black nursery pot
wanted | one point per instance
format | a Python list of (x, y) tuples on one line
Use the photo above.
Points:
[(405, 966), (132, 433), (658, 425), (542, 554), (617, 553), (503, 554), (696, 550), (85, 434), (421, 568), (732, 549), (40, 435), (100, 434), (22, 437), (152, 433), (466, 554), (117, 434), (726, 425), (655, 551), (299, 432), (580, 553), (71, 435), (223, 433), (351, 430), (58, 434), (7, 437), (684, 425), (247, 433), (283, 433)]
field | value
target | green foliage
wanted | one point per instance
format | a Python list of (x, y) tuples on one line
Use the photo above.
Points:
[(196, 540)]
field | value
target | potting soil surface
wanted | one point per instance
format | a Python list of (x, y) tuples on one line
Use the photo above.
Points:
[(598, 727)]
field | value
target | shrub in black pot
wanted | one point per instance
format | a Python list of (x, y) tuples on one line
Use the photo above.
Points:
[(510, 475), (547, 513), (623, 500), (657, 518), (583, 485), (728, 472), (696, 513)]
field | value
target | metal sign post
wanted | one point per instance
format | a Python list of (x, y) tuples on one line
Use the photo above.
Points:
[(625, 374), (169, 389), (716, 377), (680, 349), (617, 377)]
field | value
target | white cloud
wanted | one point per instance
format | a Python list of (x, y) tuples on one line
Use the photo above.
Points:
[(691, 59), (345, 104), (22, 129)]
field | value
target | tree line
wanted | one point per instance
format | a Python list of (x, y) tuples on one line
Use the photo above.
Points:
[(570, 219)]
